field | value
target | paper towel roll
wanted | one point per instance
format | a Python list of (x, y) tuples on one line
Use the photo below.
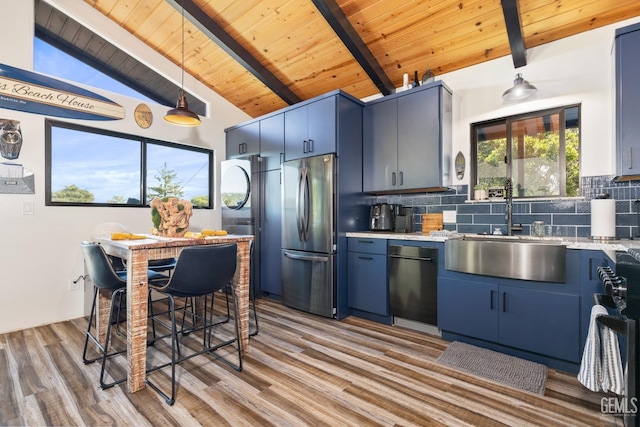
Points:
[(603, 218)]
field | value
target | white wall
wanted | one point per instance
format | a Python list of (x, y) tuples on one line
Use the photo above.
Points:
[(39, 253)]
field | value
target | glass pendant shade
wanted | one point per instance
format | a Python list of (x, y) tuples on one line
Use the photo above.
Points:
[(181, 115), (521, 89)]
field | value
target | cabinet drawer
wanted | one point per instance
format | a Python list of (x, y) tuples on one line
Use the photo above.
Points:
[(366, 245), (367, 278)]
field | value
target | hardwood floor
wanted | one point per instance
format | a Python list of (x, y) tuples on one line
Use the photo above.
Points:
[(299, 370)]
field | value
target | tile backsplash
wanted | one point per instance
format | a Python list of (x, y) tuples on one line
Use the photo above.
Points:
[(564, 217)]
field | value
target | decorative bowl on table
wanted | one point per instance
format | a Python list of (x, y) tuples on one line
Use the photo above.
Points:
[(170, 216)]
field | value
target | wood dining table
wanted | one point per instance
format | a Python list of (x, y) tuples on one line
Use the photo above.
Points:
[(137, 254)]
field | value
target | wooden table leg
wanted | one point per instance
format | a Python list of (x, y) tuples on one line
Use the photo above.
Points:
[(137, 307), (242, 291), (103, 309)]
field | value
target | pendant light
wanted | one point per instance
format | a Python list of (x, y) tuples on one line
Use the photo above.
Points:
[(521, 89), (181, 115)]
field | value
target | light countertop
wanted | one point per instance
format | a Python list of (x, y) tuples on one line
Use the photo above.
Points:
[(570, 242)]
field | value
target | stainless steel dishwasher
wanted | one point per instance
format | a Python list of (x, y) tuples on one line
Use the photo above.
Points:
[(413, 283)]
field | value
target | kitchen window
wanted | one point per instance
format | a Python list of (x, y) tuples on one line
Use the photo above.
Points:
[(539, 151), (94, 167)]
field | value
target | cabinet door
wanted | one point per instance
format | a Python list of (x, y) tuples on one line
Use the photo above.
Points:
[(367, 283), (380, 154), (590, 284), (321, 121), (627, 50), (419, 140), (243, 141), (539, 321), (295, 133), (270, 233), (468, 308), (272, 142)]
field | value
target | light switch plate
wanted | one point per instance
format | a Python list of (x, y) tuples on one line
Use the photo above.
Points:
[(27, 208), (449, 217)]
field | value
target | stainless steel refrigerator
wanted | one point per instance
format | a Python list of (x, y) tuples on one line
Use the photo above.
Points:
[(308, 234)]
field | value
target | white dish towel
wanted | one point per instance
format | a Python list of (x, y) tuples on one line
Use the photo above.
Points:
[(612, 373), (601, 369)]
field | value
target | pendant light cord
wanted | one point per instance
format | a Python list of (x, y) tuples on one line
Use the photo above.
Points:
[(182, 80)]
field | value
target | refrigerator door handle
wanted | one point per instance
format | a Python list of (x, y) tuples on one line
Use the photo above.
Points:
[(306, 257), (306, 207), (298, 204)]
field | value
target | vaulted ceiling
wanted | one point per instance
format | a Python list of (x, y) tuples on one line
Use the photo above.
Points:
[(263, 55)]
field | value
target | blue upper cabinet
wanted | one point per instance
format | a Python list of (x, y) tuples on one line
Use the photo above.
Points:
[(243, 141), (407, 141), (627, 63), (272, 142), (310, 129)]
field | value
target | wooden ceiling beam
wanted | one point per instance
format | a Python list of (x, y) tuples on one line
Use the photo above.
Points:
[(349, 36), (227, 43), (514, 32)]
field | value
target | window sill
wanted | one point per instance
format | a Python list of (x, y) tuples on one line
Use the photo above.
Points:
[(528, 199)]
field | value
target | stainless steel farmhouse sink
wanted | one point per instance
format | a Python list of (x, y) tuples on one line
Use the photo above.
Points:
[(513, 257)]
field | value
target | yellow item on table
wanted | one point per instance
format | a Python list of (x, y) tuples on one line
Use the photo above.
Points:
[(127, 236), (193, 235), (207, 233)]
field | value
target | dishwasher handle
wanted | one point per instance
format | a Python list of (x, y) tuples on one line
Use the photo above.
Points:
[(431, 259)]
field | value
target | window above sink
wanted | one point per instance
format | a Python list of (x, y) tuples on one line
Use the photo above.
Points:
[(539, 151)]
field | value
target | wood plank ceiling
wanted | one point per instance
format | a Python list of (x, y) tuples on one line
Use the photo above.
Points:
[(277, 52)]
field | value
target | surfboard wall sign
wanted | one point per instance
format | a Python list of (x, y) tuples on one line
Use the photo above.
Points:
[(31, 92)]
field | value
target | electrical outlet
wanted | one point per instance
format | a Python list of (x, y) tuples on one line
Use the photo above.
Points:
[(74, 284), (449, 217)]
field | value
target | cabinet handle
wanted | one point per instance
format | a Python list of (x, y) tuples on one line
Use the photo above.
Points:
[(366, 257), (630, 157), (281, 158), (365, 241), (590, 267), (305, 145), (401, 177), (393, 178), (311, 145), (491, 299), (504, 302)]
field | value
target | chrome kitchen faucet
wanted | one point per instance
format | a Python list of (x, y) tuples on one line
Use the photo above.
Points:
[(508, 210)]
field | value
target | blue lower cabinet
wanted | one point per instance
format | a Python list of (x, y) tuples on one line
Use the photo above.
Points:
[(468, 308), (542, 322), (367, 279), (539, 321)]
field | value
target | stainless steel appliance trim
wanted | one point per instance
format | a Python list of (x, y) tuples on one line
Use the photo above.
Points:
[(320, 258), (508, 259)]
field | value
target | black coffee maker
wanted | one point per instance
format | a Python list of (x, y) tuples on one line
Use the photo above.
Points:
[(382, 217)]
